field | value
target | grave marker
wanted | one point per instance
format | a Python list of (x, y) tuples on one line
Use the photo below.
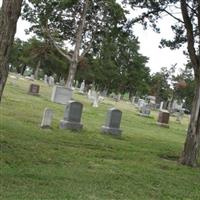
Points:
[(34, 89), (61, 94), (113, 120), (47, 118), (163, 118), (72, 116)]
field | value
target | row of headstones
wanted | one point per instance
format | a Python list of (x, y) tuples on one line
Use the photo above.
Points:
[(163, 118), (145, 109), (49, 80), (62, 95), (72, 119)]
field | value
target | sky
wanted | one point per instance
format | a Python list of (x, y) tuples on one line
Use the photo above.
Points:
[(149, 42)]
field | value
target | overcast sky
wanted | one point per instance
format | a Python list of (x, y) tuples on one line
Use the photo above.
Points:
[(149, 42)]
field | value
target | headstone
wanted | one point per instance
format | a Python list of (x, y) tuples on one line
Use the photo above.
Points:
[(61, 94), (82, 88), (72, 116), (34, 89), (89, 94), (95, 97), (51, 81), (45, 79), (163, 118), (112, 124), (145, 110), (141, 103), (176, 105), (47, 118), (95, 102), (62, 82), (119, 97), (32, 77)]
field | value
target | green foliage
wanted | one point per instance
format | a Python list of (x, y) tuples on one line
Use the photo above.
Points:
[(34, 50), (119, 67), (187, 92), (160, 85)]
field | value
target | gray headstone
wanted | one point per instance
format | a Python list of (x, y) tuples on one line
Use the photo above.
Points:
[(47, 118), (72, 116), (61, 94), (113, 120)]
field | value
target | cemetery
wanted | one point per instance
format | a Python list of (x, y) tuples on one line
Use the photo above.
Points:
[(99, 100), (60, 163)]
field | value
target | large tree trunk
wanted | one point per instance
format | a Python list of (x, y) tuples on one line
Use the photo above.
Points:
[(75, 57), (71, 74), (9, 15), (192, 144)]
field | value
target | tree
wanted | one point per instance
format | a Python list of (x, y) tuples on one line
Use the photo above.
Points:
[(76, 22), (10, 12), (37, 54), (159, 85), (116, 65), (187, 30)]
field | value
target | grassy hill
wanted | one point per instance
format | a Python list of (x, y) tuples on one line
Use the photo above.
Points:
[(59, 164)]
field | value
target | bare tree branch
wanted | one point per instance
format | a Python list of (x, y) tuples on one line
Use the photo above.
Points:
[(86, 50), (46, 30), (170, 14)]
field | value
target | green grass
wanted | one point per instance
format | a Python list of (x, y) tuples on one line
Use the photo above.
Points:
[(59, 164)]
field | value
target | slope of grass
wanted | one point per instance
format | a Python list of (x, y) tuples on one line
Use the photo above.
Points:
[(59, 164)]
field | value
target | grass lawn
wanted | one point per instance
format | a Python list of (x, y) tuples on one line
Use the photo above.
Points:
[(59, 164)]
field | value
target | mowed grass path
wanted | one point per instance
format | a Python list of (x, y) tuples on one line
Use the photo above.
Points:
[(59, 164)]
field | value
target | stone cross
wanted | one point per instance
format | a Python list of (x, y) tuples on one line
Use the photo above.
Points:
[(47, 118), (72, 116), (113, 120)]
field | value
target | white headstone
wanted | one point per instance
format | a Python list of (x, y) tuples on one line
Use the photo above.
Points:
[(61, 94), (51, 81), (47, 118), (45, 79), (82, 88), (89, 94)]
